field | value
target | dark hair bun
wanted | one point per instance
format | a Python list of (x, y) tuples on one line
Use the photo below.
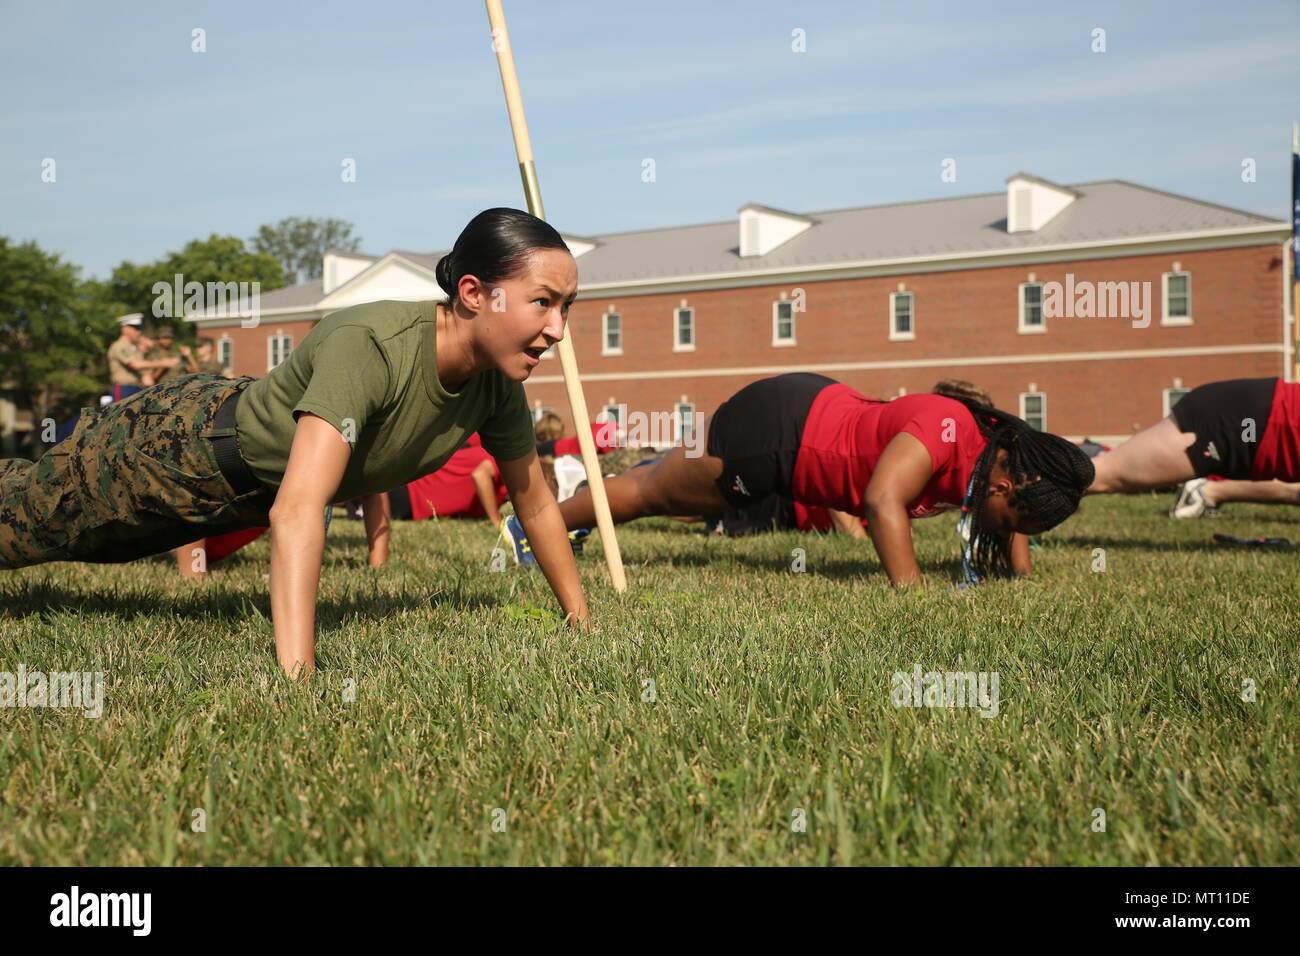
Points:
[(495, 246), (442, 272)]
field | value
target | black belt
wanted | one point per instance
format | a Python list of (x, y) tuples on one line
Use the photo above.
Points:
[(233, 467)]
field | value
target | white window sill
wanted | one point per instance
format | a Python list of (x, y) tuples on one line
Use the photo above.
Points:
[(782, 343), (611, 351), (902, 336), (1032, 329), (1176, 320), (683, 348)]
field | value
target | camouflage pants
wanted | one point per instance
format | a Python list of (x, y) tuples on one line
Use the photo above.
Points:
[(135, 478)]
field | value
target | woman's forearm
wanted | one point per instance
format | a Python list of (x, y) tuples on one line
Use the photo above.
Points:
[(846, 523), (375, 510), (890, 530), (487, 495), (1021, 562), (297, 547), (550, 543)]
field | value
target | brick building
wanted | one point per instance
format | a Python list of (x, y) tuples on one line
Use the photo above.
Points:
[(1088, 309)]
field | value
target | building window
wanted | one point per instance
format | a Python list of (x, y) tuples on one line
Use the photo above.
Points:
[(684, 416), (1172, 398), (783, 323), (610, 413), (1033, 409), (901, 324), (684, 330), (226, 352), (613, 334), (1031, 307), (540, 412), (1177, 299), (278, 347)]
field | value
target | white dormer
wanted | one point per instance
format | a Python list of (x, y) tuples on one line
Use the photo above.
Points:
[(763, 228), (579, 246), (1032, 202), (338, 267)]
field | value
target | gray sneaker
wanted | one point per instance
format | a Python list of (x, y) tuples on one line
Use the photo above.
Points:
[(1191, 501)]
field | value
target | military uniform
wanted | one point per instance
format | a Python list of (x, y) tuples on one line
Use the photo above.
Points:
[(155, 472), (158, 354), (120, 373), (135, 478)]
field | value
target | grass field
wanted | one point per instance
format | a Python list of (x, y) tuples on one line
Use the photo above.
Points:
[(1119, 691)]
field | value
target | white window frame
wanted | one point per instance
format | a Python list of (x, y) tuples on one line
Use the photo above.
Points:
[(1169, 406), (894, 334), (270, 348), (226, 352), (1165, 317), (1043, 405), (610, 411), (1021, 326), (777, 340), (605, 348), (677, 312), (683, 417)]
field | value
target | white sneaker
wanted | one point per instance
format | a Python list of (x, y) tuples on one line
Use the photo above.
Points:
[(1191, 501)]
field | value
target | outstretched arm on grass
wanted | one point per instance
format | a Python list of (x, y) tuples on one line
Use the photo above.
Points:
[(900, 476), (317, 459), (540, 516)]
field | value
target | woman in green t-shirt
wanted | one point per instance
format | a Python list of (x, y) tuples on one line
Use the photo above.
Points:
[(375, 396)]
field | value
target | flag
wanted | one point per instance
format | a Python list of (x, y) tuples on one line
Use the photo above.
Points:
[(1295, 205)]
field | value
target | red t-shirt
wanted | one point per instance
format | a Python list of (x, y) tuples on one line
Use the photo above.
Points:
[(1278, 455), (846, 433), (604, 433), (450, 492)]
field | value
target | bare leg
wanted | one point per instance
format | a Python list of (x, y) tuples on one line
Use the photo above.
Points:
[(192, 559), (1267, 492), (1154, 458), (675, 485)]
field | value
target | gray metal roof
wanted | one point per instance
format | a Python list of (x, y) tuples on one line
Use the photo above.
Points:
[(1110, 209), (1105, 210), (305, 295)]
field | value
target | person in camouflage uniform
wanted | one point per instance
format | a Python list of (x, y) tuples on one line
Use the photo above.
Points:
[(205, 358), (135, 478), (166, 350)]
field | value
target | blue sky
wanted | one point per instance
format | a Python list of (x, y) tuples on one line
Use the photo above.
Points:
[(156, 145)]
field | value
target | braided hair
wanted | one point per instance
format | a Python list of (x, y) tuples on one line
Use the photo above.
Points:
[(1050, 476)]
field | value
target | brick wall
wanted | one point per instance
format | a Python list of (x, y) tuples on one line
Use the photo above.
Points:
[(958, 316)]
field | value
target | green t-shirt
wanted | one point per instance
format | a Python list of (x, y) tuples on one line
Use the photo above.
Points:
[(371, 371)]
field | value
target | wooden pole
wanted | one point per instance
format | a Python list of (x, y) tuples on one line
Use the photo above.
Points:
[(568, 361)]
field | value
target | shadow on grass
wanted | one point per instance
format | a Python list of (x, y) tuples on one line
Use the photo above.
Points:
[(1148, 544), (29, 599)]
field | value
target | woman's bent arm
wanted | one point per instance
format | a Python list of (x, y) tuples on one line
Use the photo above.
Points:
[(540, 516), (317, 459), (900, 476)]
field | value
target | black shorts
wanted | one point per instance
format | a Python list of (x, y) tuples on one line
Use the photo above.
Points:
[(757, 433), (399, 504), (1228, 420)]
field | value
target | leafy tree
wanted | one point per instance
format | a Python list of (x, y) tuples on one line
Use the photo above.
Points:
[(300, 244), (53, 332), (215, 259)]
